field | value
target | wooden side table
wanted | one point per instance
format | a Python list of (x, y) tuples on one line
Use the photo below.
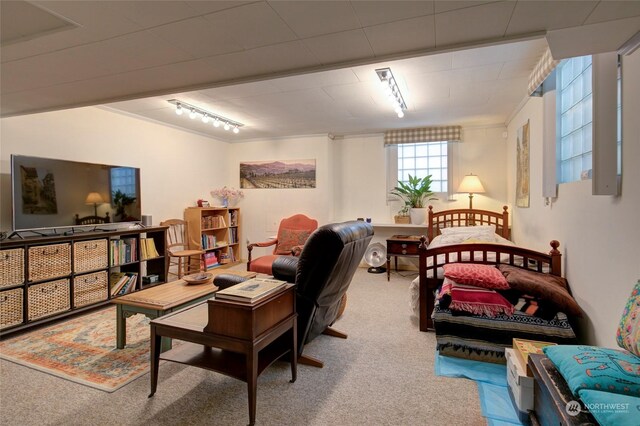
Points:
[(401, 246), (235, 339)]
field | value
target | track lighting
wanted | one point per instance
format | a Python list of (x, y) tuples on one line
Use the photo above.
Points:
[(391, 89), (217, 120)]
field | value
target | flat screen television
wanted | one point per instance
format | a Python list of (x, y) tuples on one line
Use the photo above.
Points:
[(49, 193)]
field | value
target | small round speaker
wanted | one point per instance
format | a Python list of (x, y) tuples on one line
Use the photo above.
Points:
[(146, 219)]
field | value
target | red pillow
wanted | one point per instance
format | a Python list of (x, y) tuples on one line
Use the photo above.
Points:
[(476, 274), (290, 238)]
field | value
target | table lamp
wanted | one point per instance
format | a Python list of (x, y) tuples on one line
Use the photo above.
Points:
[(94, 198), (471, 184)]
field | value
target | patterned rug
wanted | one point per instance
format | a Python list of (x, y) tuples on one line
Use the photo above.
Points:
[(83, 350)]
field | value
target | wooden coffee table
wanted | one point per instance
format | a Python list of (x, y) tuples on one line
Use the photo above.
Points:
[(161, 299)]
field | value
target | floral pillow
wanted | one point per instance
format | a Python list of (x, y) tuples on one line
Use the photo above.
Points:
[(479, 275), (628, 334), (290, 238)]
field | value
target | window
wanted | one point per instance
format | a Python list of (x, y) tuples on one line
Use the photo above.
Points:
[(423, 159), (123, 179), (574, 118)]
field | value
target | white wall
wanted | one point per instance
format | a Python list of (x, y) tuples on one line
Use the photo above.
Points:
[(599, 235), (177, 167), (362, 190), (351, 180), (262, 209)]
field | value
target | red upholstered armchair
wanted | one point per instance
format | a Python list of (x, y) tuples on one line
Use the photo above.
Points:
[(292, 234)]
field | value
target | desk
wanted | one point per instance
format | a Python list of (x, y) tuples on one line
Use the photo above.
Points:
[(403, 246), (235, 339)]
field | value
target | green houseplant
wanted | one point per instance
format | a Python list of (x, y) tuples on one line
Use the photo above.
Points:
[(121, 200), (414, 193)]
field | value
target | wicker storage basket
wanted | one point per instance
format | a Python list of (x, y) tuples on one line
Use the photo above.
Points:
[(90, 255), (90, 288), (48, 298), (11, 307), (50, 261), (11, 267)]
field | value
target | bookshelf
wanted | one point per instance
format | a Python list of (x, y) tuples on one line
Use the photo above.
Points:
[(216, 230), (51, 277)]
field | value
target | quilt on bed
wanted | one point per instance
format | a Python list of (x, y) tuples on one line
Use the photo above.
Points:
[(484, 338)]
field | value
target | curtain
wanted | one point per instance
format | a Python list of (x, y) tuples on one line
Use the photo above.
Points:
[(423, 134), (541, 71)]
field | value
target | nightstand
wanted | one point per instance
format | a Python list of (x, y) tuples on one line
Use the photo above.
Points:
[(401, 246)]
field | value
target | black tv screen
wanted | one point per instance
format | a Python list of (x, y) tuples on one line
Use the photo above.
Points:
[(50, 193)]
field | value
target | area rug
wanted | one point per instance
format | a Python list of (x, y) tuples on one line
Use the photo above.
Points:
[(495, 402), (83, 350)]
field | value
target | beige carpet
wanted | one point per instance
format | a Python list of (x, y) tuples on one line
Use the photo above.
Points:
[(381, 375)]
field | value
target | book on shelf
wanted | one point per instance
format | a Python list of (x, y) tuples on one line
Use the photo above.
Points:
[(209, 222), (233, 217), (523, 348), (116, 281), (148, 248), (210, 260), (130, 285), (250, 291)]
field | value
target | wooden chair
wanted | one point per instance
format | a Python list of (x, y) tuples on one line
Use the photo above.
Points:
[(292, 234), (92, 220), (179, 252)]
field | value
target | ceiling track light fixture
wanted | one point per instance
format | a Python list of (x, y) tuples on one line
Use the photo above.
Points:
[(391, 89), (206, 116)]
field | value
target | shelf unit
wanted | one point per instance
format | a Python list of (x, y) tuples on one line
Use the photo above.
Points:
[(216, 230), (50, 277)]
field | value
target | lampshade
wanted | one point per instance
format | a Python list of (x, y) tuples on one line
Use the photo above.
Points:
[(94, 198), (471, 184)]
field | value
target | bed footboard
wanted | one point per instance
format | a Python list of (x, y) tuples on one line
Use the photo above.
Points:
[(432, 260)]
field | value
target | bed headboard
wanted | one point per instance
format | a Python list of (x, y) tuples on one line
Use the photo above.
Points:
[(467, 217)]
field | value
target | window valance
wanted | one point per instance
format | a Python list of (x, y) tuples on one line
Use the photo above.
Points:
[(541, 71), (423, 134)]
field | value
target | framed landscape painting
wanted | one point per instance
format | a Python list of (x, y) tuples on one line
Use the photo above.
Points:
[(522, 163), (278, 174)]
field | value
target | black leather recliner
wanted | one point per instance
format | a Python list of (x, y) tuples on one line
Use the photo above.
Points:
[(322, 274)]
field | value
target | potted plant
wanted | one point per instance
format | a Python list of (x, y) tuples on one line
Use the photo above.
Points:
[(121, 200), (414, 193), (403, 215)]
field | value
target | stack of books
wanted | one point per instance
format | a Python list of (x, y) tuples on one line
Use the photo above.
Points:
[(148, 247), (250, 291)]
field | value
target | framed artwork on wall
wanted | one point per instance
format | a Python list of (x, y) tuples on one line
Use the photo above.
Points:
[(522, 166), (280, 174)]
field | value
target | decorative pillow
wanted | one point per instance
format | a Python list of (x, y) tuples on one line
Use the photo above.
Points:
[(611, 409), (546, 287), (484, 229), (479, 275), (592, 367), (628, 334), (478, 301), (289, 238)]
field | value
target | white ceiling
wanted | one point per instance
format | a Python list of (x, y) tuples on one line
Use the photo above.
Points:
[(307, 66)]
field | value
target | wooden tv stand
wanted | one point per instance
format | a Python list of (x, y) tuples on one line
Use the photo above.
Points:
[(234, 339)]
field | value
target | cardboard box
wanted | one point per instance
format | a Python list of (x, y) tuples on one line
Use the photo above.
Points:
[(520, 385), (523, 348)]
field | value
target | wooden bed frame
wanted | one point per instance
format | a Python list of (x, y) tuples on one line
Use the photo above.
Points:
[(432, 259), (467, 217)]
